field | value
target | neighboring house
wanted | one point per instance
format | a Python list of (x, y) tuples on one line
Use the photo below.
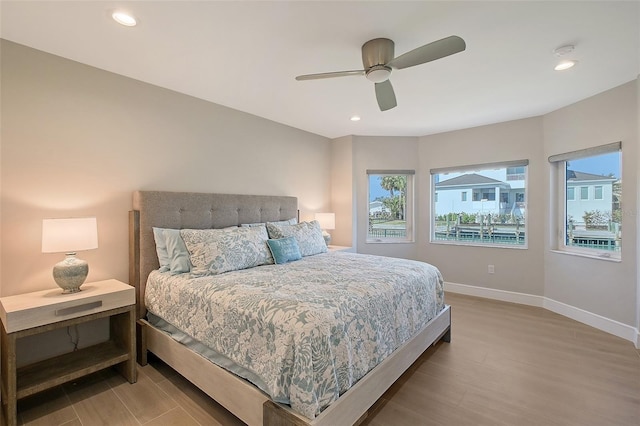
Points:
[(588, 192), (501, 194), (376, 208)]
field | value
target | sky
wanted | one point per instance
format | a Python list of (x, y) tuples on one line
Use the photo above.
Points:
[(375, 190), (599, 165)]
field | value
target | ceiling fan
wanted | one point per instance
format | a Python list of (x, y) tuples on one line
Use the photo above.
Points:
[(378, 62)]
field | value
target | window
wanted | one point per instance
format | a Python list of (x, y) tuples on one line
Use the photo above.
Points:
[(515, 173), (597, 193), (489, 195), (591, 226), (489, 219), (584, 192), (484, 194), (390, 206)]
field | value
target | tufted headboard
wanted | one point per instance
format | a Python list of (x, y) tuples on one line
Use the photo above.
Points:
[(179, 210)]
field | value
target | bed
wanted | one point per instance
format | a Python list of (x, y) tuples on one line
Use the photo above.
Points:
[(333, 404)]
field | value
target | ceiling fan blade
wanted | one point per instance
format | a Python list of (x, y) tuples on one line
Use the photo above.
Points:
[(385, 95), (429, 52), (329, 75)]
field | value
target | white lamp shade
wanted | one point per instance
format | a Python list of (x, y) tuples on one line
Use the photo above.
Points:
[(326, 220), (69, 235)]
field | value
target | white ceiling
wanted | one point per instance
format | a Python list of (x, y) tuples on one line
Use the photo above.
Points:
[(245, 55)]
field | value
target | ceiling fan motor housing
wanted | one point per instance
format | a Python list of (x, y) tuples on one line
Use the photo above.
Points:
[(378, 51)]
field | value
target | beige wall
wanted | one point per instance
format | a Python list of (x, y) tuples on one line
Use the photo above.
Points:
[(517, 270), (602, 287), (343, 193), (637, 325), (77, 141), (380, 153)]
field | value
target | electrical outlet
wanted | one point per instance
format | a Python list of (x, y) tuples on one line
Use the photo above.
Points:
[(491, 269)]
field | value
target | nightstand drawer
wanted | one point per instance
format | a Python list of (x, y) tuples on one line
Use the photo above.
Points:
[(26, 311)]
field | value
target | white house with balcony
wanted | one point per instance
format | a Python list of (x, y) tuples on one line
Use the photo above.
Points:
[(377, 208), (495, 192)]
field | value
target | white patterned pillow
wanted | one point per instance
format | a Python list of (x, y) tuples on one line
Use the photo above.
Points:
[(307, 234), (215, 251)]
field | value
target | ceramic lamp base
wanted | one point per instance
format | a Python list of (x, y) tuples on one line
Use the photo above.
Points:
[(70, 273), (327, 237)]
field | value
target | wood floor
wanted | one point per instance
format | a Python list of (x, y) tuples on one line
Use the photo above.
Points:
[(506, 365)]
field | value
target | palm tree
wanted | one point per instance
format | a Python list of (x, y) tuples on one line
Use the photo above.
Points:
[(616, 210), (394, 183)]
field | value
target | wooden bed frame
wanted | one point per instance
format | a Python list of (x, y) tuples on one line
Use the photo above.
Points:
[(179, 210)]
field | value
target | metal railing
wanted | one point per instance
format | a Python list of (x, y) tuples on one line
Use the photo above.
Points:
[(387, 233)]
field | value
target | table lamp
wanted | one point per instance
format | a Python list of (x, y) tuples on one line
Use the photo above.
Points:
[(69, 236), (327, 221)]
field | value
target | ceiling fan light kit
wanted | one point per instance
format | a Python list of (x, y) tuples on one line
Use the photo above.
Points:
[(378, 62), (378, 73)]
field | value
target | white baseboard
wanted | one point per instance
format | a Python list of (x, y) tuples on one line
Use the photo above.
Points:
[(495, 294), (607, 325), (594, 320)]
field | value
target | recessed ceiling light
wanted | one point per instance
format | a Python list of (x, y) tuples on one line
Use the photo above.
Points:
[(355, 118), (564, 65), (124, 19)]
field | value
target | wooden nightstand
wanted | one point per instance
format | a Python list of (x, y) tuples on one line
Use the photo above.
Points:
[(38, 312)]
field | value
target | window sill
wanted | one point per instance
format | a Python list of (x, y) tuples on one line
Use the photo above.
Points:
[(389, 242), (588, 255), (462, 244)]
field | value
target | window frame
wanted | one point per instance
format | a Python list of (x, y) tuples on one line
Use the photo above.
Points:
[(409, 207), (479, 191), (559, 176)]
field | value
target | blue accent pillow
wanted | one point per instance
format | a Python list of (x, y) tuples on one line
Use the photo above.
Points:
[(284, 250), (179, 262), (161, 249)]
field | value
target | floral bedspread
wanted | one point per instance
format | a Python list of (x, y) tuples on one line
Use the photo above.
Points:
[(309, 329)]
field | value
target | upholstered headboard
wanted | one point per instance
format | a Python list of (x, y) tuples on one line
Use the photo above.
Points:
[(179, 210)]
